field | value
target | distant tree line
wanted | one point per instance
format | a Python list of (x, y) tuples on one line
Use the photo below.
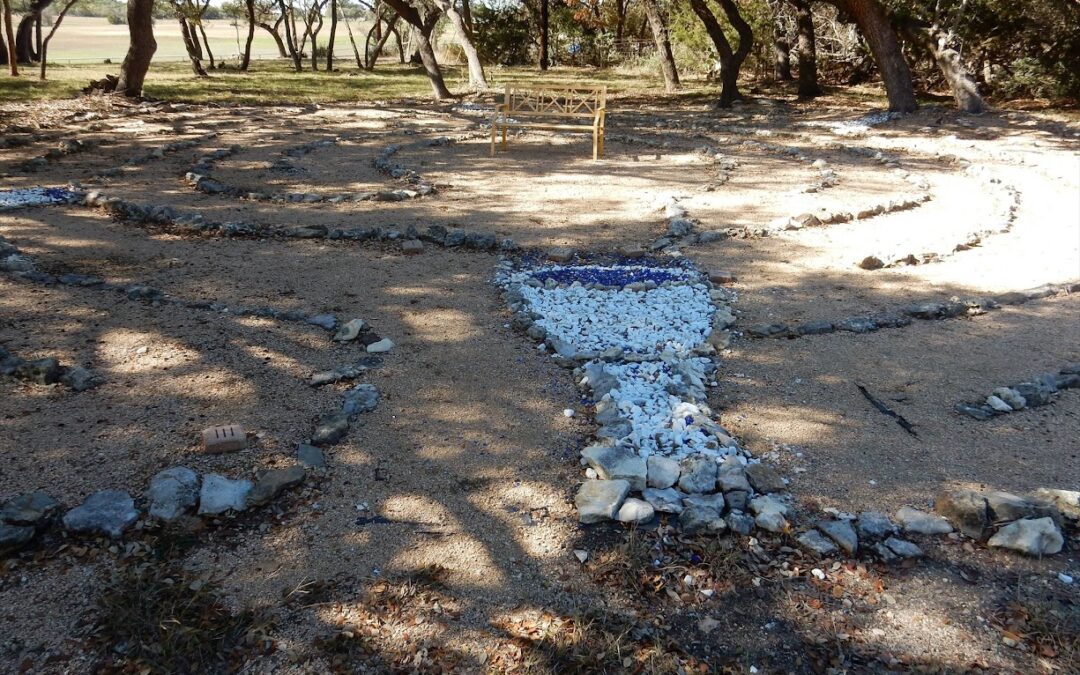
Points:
[(972, 48)]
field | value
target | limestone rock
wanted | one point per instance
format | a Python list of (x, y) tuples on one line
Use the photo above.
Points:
[(769, 513), (732, 476), (310, 456), (220, 494), (560, 254), (874, 525), (667, 500), (701, 519), (349, 331), (739, 522), (764, 478), (842, 533), (272, 483), (1066, 501), (360, 399), (713, 501), (172, 492), (599, 500), (698, 474), (1034, 537), (663, 472), (330, 430), (635, 511), (1005, 507), (33, 509), (903, 549), (613, 462), (107, 512), (966, 510), (15, 536), (920, 522), (380, 347), (813, 541)]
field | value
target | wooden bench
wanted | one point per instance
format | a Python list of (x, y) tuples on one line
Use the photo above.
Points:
[(552, 109)]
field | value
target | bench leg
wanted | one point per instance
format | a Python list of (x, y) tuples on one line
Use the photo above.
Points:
[(504, 146), (601, 142), (493, 131), (595, 144)]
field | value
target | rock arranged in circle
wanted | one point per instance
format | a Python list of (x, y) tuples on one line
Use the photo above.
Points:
[(1039, 391)]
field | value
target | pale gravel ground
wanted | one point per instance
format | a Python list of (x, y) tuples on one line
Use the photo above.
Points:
[(470, 435)]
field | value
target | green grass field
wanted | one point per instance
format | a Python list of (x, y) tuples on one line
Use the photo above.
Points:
[(82, 39)]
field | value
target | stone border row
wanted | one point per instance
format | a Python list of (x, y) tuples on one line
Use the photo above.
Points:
[(196, 224), (46, 371), (930, 311), (156, 154), (1034, 393)]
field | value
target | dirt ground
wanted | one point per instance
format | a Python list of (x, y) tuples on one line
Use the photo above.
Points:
[(466, 470)]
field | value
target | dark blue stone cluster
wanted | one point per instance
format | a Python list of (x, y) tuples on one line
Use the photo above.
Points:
[(608, 276)]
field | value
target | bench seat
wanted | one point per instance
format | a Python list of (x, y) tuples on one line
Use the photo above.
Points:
[(547, 108)]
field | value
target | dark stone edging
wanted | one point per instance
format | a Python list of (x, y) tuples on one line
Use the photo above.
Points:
[(1034, 393), (931, 311)]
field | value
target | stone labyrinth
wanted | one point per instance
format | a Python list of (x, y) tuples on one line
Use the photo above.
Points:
[(246, 230)]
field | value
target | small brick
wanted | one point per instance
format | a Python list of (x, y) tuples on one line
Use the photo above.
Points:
[(228, 438), (721, 277)]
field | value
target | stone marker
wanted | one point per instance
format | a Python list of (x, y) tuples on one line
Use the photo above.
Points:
[(228, 438), (1029, 536), (219, 494), (599, 500), (106, 512)]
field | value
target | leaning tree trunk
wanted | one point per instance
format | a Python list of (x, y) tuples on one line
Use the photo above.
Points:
[(371, 55), (245, 62), (658, 23), (25, 41), (352, 41), (477, 80), (424, 28), (282, 52), (52, 31), (206, 41), (873, 23), (194, 54), (141, 47), (934, 42), (333, 34), (807, 50), (9, 49), (290, 38)]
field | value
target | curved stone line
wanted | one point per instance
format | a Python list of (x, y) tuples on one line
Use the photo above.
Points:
[(195, 224), (20, 266), (46, 371), (200, 178), (156, 153), (1003, 220), (64, 148), (1034, 393), (931, 311)]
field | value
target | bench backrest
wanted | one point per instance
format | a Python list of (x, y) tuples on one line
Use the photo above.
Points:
[(556, 101)]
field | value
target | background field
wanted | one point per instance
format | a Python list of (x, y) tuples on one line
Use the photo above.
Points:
[(83, 39)]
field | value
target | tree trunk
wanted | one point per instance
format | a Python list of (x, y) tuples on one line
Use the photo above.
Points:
[(25, 41), (424, 28), (141, 47), (874, 25), (658, 23), (245, 62), (52, 31), (290, 37), (544, 61), (372, 55), (9, 32), (729, 92), (934, 42), (731, 60), (189, 45), (352, 40), (782, 64), (282, 52), (206, 41), (333, 34), (807, 50), (477, 80)]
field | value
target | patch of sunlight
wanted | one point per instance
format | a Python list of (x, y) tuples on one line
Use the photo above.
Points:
[(441, 325)]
